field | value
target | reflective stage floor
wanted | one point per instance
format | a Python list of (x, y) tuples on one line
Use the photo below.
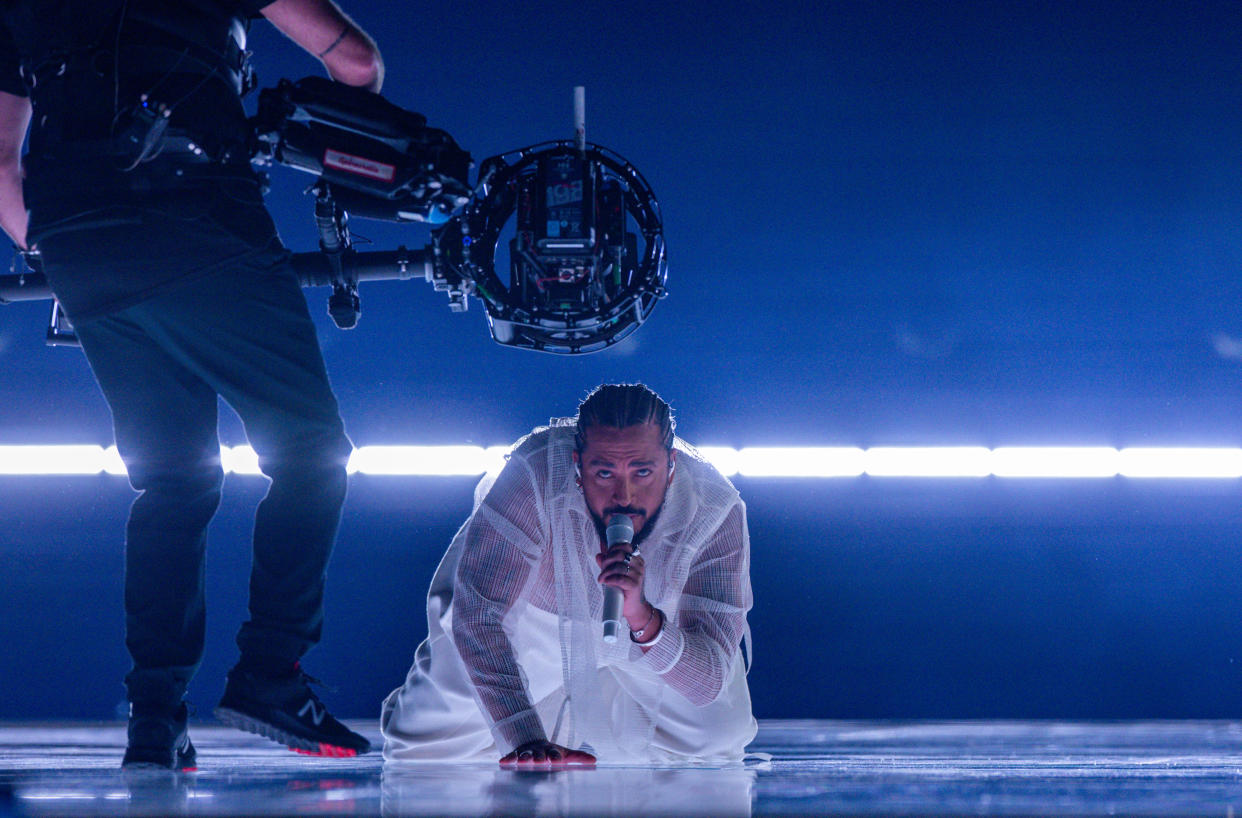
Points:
[(816, 768)]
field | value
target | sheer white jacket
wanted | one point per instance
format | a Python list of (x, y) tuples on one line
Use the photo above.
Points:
[(515, 651)]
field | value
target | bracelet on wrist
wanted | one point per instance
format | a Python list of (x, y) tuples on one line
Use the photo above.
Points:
[(635, 636), (640, 631)]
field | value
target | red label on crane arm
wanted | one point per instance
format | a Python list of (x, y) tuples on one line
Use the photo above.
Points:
[(358, 165)]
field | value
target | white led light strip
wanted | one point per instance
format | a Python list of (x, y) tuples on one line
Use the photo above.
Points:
[(924, 461)]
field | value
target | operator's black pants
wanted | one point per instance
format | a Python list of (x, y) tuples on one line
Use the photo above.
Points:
[(246, 336)]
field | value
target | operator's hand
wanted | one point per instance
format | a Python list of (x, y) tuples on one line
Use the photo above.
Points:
[(544, 755), (622, 566)]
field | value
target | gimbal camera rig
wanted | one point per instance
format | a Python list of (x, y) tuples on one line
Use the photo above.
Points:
[(586, 247)]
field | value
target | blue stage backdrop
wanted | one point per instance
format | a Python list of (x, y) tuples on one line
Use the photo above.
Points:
[(943, 223)]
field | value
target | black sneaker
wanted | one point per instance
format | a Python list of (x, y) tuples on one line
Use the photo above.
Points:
[(159, 741), (286, 710)]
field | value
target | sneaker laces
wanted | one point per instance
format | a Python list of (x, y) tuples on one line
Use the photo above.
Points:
[(309, 680)]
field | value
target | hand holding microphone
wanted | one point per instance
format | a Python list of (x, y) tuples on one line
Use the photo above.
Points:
[(621, 572)]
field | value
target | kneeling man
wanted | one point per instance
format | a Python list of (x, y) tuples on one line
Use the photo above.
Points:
[(515, 666)]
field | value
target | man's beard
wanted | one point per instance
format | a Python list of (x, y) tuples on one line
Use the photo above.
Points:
[(602, 527)]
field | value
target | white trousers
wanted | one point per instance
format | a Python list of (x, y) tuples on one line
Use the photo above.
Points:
[(434, 716)]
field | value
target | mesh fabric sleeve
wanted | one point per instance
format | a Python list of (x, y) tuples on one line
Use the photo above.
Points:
[(701, 641), (503, 541)]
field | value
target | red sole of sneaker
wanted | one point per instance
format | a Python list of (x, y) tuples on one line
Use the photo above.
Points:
[(328, 751), (243, 722)]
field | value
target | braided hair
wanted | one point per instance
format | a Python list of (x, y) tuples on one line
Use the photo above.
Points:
[(621, 405)]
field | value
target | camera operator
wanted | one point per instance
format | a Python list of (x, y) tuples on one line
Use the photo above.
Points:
[(139, 197)]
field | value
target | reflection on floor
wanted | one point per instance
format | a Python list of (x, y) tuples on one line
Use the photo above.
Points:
[(816, 768)]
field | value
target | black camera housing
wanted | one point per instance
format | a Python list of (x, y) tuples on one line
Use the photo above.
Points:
[(381, 161)]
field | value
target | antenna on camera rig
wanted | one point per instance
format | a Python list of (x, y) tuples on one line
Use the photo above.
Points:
[(585, 235), (580, 118)]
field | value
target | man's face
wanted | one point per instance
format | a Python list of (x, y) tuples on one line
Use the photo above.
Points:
[(625, 471)]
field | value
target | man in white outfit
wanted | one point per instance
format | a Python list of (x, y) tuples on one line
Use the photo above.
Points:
[(515, 665)]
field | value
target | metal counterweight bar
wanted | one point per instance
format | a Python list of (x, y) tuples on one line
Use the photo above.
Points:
[(313, 270)]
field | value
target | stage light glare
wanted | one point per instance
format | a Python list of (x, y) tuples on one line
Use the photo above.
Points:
[(58, 796), (757, 461), (1189, 462), (112, 463), (239, 460), (495, 458), (724, 458), (928, 461), (51, 459), (422, 460), (1055, 461), (804, 461)]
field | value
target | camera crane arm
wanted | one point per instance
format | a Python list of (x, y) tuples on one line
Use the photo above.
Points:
[(314, 269), (586, 258)]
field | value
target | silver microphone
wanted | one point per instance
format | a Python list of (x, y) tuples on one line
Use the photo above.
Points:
[(620, 530)]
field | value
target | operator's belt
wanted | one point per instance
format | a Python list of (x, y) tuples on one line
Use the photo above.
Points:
[(179, 161), (176, 145)]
